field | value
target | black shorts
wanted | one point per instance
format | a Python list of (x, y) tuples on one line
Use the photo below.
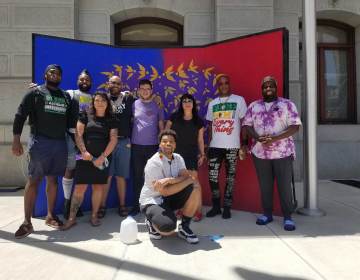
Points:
[(163, 215)]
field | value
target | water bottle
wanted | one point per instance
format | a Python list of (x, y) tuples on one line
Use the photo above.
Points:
[(128, 230)]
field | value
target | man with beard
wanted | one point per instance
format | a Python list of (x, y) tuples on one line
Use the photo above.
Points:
[(224, 115), (271, 122), (83, 97), (120, 161), (51, 112)]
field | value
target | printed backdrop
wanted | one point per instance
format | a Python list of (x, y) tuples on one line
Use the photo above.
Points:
[(174, 71)]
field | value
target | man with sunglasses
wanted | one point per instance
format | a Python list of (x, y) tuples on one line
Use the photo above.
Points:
[(224, 115), (271, 122)]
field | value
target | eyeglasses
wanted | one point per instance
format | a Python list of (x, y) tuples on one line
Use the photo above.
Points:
[(224, 83), (116, 83), (187, 101)]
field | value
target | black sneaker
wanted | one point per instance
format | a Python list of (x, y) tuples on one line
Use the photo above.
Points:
[(152, 232), (226, 213), (186, 233), (215, 210)]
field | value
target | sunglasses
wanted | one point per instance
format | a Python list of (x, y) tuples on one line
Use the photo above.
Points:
[(187, 101), (225, 83)]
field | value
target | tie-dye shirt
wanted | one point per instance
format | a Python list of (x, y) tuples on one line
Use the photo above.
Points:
[(272, 120)]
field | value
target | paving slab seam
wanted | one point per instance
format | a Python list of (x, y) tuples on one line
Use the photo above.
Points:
[(297, 254), (15, 221), (121, 263), (342, 203)]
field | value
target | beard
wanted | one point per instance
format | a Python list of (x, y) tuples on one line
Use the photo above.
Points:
[(84, 88), (53, 84)]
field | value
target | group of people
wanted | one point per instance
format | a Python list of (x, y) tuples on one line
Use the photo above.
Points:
[(91, 138)]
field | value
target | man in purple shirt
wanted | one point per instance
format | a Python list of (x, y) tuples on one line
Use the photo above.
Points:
[(148, 122), (271, 122)]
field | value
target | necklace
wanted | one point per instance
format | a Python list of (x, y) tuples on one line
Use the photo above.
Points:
[(223, 103)]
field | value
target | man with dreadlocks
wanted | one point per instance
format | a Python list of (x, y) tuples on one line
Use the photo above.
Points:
[(83, 97)]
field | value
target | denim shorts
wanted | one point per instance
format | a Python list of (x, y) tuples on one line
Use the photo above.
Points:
[(120, 159), (47, 156)]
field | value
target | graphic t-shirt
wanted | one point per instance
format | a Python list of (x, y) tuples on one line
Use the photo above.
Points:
[(122, 108), (84, 99), (225, 114), (50, 112)]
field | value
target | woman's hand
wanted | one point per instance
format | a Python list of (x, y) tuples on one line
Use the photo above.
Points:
[(86, 156), (201, 159)]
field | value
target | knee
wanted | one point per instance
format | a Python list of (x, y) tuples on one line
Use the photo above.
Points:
[(79, 191)]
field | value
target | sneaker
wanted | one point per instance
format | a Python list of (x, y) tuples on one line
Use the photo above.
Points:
[(152, 232), (186, 233), (24, 230), (264, 220)]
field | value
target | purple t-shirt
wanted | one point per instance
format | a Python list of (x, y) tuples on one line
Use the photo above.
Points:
[(146, 122)]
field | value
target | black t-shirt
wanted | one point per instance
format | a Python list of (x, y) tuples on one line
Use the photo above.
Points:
[(123, 114), (97, 132), (50, 112), (187, 132)]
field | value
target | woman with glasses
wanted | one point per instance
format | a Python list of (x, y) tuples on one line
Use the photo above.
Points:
[(189, 128), (96, 138)]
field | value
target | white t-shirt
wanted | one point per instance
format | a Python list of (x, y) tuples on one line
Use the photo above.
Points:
[(159, 167), (225, 114)]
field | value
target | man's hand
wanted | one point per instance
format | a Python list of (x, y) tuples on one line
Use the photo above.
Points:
[(201, 160), (243, 152), (32, 85), (161, 183), (17, 148), (267, 140)]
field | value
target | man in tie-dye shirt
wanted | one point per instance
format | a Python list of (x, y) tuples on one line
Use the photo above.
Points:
[(271, 122)]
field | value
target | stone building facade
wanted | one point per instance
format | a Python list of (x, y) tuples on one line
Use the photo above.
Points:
[(203, 22)]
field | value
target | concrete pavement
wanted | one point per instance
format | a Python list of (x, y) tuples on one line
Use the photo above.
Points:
[(321, 248)]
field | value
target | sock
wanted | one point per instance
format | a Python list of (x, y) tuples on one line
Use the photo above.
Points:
[(185, 221), (67, 187)]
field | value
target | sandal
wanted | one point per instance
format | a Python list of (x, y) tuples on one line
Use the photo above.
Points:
[(24, 230), (289, 225), (102, 212), (54, 222), (123, 212), (69, 224), (264, 220), (95, 222)]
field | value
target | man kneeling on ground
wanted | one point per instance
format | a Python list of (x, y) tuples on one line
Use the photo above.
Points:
[(168, 187)]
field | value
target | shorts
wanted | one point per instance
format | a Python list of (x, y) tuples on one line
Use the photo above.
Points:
[(120, 159), (47, 156), (163, 215), (71, 149)]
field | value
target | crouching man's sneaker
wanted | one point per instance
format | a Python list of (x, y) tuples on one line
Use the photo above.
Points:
[(186, 233), (152, 232)]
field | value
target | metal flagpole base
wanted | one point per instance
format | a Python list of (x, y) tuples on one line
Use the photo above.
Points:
[(311, 212)]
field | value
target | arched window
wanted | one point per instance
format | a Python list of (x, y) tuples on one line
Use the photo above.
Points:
[(148, 31), (336, 72)]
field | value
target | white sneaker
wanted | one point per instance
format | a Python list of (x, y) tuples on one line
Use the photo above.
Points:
[(152, 232), (186, 233)]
